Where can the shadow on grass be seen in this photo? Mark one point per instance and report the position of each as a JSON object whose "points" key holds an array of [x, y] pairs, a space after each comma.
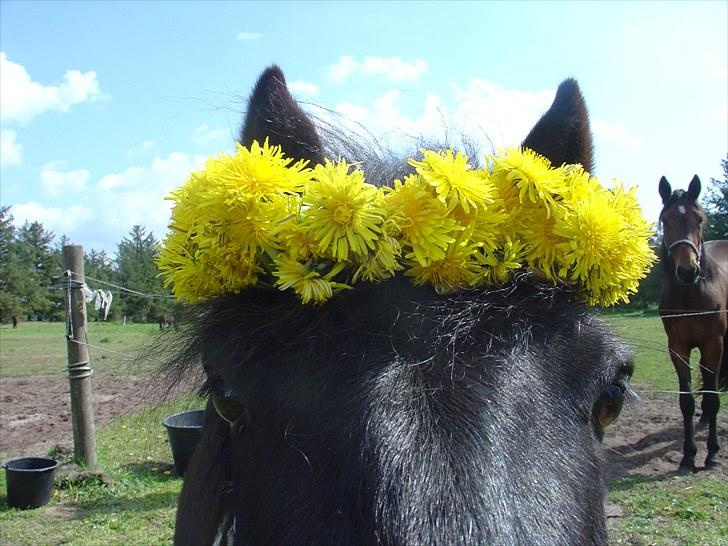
{"points": [[629, 456], [156, 470], [628, 483], [129, 503]]}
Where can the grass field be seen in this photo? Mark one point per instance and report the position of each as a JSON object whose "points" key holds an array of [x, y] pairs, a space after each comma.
{"points": [[135, 504], [138, 505], [645, 335], [40, 348]]}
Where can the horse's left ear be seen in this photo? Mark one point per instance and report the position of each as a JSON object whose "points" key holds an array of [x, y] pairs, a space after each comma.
{"points": [[563, 134], [694, 188], [274, 114]]}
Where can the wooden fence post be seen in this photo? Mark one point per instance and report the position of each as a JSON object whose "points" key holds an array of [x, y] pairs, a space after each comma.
{"points": [[79, 365]]}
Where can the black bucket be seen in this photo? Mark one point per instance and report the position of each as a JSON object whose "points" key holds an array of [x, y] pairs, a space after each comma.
{"points": [[184, 430], [30, 481]]}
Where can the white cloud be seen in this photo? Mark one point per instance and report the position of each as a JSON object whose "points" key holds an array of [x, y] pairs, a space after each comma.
{"points": [[248, 36], [304, 88], [617, 132], [56, 182], [165, 173], [11, 151], [391, 68], [352, 112], [21, 99], [56, 219], [204, 134], [342, 69], [137, 195], [141, 149], [502, 116], [105, 212], [493, 115], [394, 68]]}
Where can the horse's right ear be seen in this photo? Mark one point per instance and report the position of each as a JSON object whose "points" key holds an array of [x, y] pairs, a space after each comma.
{"points": [[665, 190], [275, 115], [694, 188]]}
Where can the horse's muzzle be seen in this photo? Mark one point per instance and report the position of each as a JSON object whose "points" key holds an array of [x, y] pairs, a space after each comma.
{"points": [[688, 275]]}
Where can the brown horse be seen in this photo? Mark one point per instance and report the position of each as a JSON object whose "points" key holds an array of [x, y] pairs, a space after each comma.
{"points": [[693, 305]]}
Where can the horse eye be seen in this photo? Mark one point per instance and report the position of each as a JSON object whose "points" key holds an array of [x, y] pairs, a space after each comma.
{"points": [[228, 405], [609, 405]]}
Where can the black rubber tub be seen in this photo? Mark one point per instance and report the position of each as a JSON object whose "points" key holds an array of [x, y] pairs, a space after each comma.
{"points": [[29, 481], [184, 430]]}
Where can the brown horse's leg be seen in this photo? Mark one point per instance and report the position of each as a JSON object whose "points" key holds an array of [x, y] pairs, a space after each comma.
{"points": [[710, 359], [681, 361]]}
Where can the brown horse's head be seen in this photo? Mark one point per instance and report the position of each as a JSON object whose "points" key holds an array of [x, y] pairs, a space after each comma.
{"points": [[682, 221]]}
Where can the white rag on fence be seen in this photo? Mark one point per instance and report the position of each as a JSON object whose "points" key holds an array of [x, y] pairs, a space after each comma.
{"points": [[101, 298]]}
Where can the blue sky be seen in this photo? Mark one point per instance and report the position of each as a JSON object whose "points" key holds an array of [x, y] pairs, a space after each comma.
{"points": [[108, 106]]}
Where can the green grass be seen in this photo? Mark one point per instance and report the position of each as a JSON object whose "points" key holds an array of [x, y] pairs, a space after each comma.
{"points": [[137, 506], [40, 348], [685, 510], [664, 510], [645, 335]]}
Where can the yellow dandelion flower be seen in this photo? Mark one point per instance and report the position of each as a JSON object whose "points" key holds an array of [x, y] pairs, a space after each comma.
{"points": [[422, 220], [593, 236], [498, 265], [529, 175], [250, 227], [579, 184], [485, 225], [257, 217], [543, 251], [454, 180], [258, 171], [458, 269], [290, 233], [223, 218], [308, 284], [340, 211], [380, 264]]}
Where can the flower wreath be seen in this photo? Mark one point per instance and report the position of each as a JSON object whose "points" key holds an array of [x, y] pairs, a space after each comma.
{"points": [[259, 218]]}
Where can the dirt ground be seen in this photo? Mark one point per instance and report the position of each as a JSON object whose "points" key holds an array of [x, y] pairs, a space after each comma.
{"points": [[35, 411], [35, 416]]}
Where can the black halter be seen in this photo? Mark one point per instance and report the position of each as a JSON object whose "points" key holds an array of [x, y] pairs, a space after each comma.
{"points": [[698, 249]]}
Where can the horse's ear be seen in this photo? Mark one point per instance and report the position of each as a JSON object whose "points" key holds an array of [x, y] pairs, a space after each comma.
{"points": [[563, 134], [275, 115], [665, 190], [694, 188]]}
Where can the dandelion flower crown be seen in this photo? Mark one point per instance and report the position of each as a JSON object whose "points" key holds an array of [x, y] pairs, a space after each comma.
{"points": [[259, 218]]}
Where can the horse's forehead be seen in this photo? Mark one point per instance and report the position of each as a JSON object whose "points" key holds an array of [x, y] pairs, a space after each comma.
{"points": [[680, 205]]}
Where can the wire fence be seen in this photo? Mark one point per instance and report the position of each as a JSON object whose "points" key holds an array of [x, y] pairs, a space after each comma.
{"points": [[633, 342]]}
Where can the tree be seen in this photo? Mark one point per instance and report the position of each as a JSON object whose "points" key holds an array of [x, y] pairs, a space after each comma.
{"points": [[716, 206], [135, 262], [39, 267], [98, 265], [10, 273]]}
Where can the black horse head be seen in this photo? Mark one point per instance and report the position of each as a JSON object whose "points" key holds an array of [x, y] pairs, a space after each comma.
{"points": [[395, 415]]}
